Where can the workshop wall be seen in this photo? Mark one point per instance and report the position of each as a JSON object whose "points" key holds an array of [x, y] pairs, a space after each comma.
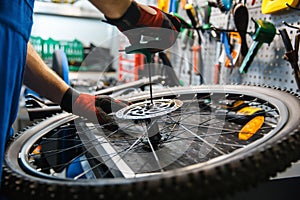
{"points": [[268, 66]]}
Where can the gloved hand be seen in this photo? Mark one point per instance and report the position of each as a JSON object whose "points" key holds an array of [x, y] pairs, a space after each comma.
{"points": [[94, 108], [140, 20]]}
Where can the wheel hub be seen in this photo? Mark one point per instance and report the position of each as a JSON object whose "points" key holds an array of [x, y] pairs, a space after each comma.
{"points": [[149, 110]]}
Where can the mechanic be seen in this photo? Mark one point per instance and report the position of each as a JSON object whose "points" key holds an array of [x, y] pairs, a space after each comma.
{"points": [[16, 53]]}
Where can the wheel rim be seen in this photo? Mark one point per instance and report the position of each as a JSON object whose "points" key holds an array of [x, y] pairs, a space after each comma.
{"points": [[203, 139]]}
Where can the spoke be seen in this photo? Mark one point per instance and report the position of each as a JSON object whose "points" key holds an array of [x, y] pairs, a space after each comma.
{"points": [[155, 155], [212, 127], [195, 125], [116, 157], [115, 161], [70, 162], [203, 140], [110, 156], [60, 151], [231, 144]]}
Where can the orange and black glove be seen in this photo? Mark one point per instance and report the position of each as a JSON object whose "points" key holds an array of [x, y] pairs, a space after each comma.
{"points": [[94, 108], [148, 21]]}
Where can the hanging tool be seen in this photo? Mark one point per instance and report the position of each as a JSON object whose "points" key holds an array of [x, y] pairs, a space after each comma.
{"points": [[187, 39], [241, 18], [235, 50], [205, 12], [225, 41], [163, 5], [184, 24], [264, 33], [173, 7], [182, 3], [292, 7], [197, 61], [224, 5], [196, 48], [193, 16], [218, 63], [291, 54], [271, 6]]}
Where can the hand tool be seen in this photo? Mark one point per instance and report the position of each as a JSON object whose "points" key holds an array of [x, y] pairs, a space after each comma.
{"points": [[187, 39], [205, 12], [218, 63], [224, 5], [291, 54], [241, 17], [264, 33], [173, 7], [271, 6], [193, 16], [184, 24], [196, 48], [148, 53], [163, 5], [224, 40], [183, 3], [197, 61], [235, 50], [292, 7]]}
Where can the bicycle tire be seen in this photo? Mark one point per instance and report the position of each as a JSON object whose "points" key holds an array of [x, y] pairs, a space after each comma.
{"points": [[239, 170]]}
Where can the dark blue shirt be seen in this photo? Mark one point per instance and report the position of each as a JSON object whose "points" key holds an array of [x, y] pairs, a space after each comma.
{"points": [[15, 29]]}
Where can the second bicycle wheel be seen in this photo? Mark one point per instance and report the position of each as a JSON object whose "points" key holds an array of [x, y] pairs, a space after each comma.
{"points": [[186, 143]]}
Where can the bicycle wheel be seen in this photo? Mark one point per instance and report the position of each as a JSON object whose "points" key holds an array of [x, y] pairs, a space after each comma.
{"points": [[185, 144]]}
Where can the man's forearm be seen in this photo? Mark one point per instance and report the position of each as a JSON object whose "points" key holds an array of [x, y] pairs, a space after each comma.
{"points": [[112, 8], [39, 77]]}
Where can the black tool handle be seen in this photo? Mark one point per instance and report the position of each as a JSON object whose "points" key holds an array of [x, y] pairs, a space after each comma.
{"points": [[194, 22], [192, 17], [286, 40], [241, 17], [297, 40], [291, 55]]}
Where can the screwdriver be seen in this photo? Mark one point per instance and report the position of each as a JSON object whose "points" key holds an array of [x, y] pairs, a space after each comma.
{"points": [[193, 16]]}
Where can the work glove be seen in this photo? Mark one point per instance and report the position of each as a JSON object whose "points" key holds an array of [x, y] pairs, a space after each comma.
{"points": [[141, 21], [94, 108]]}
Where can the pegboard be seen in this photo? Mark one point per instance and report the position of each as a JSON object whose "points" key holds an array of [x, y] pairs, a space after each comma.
{"points": [[268, 66]]}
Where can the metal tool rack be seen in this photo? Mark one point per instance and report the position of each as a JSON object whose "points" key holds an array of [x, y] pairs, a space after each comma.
{"points": [[269, 66]]}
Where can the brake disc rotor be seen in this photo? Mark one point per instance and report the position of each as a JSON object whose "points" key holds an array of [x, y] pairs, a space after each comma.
{"points": [[148, 110]]}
